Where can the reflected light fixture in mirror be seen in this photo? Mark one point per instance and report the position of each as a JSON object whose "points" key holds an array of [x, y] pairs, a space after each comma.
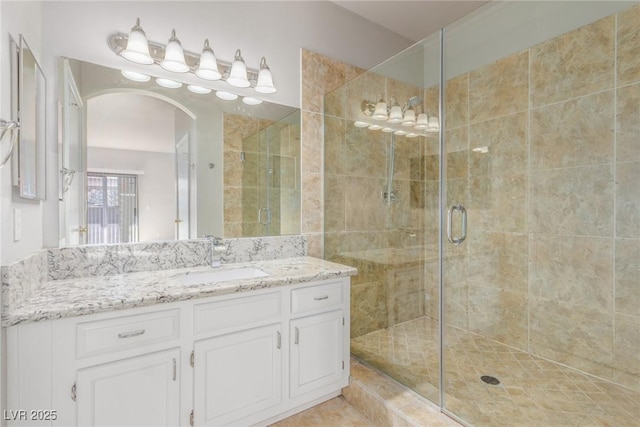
{"points": [[136, 48], [199, 89], [227, 96], [170, 84], [136, 77], [251, 101]]}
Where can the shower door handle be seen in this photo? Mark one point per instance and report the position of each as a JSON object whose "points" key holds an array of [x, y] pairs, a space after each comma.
{"points": [[463, 211], [268, 217]]}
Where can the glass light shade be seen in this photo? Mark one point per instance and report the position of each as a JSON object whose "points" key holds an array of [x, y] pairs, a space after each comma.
{"points": [[137, 49], [434, 123], [360, 124], [238, 74], [422, 122], [375, 127], [409, 118], [265, 78], [412, 135], [174, 56], [395, 115], [227, 96], [136, 77], [400, 133], [171, 84], [208, 67], [251, 101], [380, 113], [199, 89], [387, 130]]}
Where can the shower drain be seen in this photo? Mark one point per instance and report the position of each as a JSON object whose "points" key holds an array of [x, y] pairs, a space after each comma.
{"points": [[490, 380]]}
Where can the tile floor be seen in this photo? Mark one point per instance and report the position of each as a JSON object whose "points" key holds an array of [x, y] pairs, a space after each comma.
{"points": [[336, 412], [532, 391]]}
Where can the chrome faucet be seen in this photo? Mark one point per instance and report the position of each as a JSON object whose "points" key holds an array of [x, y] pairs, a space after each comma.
{"points": [[217, 246]]}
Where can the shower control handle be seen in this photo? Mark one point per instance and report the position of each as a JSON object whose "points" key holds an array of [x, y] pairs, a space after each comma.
{"points": [[456, 240]]}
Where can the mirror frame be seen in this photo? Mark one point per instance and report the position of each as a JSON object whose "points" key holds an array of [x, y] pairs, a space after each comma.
{"points": [[37, 160]]}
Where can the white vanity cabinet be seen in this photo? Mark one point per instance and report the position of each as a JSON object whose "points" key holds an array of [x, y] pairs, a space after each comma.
{"points": [[139, 391], [248, 358]]}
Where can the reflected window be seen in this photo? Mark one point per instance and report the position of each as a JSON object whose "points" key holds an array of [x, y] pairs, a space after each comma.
{"points": [[112, 208]]}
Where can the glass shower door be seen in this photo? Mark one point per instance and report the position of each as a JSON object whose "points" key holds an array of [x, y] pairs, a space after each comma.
{"points": [[535, 298]]}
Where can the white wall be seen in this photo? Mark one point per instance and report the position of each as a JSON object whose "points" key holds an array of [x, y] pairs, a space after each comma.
{"points": [[18, 18], [156, 186]]}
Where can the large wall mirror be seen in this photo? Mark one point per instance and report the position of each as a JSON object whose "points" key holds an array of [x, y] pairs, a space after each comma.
{"points": [[143, 162], [29, 91]]}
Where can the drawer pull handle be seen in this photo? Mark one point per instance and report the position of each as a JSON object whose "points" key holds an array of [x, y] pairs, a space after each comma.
{"points": [[321, 298], [131, 334], [175, 369], [279, 341], [296, 339]]}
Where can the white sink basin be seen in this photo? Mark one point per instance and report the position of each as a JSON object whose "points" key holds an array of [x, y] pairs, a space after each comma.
{"points": [[214, 276]]}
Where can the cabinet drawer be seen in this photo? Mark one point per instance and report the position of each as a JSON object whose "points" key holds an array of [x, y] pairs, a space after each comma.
{"points": [[109, 335], [316, 297], [236, 312]]}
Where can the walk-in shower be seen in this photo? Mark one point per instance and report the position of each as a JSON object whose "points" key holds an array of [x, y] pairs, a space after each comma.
{"points": [[503, 283]]}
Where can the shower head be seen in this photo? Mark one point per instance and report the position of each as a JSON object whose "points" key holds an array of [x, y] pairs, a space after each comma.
{"points": [[414, 100]]}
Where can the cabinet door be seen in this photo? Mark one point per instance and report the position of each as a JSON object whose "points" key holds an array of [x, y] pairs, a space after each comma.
{"points": [[316, 352], [140, 391], [237, 375]]}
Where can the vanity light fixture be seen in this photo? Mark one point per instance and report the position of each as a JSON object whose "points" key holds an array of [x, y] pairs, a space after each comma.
{"points": [[137, 48], [265, 78], [136, 77], [174, 56], [171, 84], [238, 74], [251, 101], [208, 67], [397, 115], [227, 96], [199, 89]]}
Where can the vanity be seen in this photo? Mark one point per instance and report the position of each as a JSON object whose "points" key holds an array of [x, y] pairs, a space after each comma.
{"points": [[262, 337]]}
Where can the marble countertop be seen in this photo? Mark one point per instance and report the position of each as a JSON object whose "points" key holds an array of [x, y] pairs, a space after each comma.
{"points": [[80, 296]]}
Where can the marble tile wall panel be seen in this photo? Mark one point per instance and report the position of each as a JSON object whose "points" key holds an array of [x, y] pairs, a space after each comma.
{"points": [[334, 145], [573, 133], [576, 201], [578, 336], [627, 276], [368, 308], [499, 260], [573, 269], [499, 314], [628, 200], [628, 123], [506, 145], [628, 62], [576, 63], [22, 278], [626, 351], [499, 89], [456, 103], [334, 203]]}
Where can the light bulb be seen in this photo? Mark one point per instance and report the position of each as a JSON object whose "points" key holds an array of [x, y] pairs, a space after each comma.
{"points": [[208, 66], [136, 77], [360, 124], [375, 127], [174, 56], [171, 84], [265, 78], [137, 49], [227, 96], [238, 74], [387, 130], [199, 89], [251, 101]]}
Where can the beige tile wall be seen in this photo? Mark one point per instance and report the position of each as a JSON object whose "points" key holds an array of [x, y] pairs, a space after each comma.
{"points": [[552, 260]]}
